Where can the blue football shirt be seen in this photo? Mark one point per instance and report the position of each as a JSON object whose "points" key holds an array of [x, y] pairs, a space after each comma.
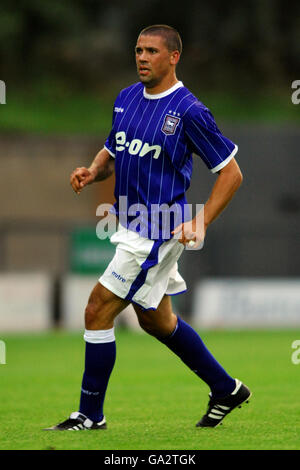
{"points": [[152, 140]]}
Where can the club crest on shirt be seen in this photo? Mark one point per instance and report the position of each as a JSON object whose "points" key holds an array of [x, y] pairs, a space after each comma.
{"points": [[170, 124]]}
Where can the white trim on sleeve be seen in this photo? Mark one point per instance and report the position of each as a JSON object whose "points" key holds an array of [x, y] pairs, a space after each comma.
{"points": [[110, 152], [226, 161]]}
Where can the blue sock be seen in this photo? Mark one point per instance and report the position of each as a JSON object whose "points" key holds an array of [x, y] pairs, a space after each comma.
{"points": [[188, 345], [100, 355]]}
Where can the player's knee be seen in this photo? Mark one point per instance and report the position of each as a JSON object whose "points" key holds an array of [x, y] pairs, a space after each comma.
{"points": [[147, 325], [95, 313], [151, 330], [96, 308], [101, 310], [91, 315], [154, 328]]}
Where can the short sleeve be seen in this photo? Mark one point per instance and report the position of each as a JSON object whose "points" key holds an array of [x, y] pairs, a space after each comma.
{"points": [[206, 140], [110, 143]]}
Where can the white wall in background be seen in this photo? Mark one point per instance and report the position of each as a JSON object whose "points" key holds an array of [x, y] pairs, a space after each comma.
{"points": [[247, 303], [25, 302]]}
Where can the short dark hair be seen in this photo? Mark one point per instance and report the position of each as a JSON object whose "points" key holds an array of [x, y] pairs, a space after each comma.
{"points": [[170, 35]]}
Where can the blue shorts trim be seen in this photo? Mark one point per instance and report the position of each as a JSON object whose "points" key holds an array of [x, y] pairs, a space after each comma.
{"points": [[151, 260], [177, 293]]}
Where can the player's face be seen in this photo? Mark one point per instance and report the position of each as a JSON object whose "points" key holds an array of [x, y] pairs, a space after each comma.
{"points": [[154, 61]]}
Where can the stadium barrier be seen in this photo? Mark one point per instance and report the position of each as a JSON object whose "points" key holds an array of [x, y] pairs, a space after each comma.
{"points": [[25, 302], [32, 302], [247, 303], [38, 301]]}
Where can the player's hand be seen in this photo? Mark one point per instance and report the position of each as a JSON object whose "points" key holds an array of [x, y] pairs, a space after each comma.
{"points": [[190, 234], [80, 177]]}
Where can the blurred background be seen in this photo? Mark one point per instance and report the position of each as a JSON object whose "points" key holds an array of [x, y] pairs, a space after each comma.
{"points": [[63, 63]]}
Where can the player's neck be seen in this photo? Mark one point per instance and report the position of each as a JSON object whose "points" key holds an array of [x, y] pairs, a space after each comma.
{"points": [[164, 85]]}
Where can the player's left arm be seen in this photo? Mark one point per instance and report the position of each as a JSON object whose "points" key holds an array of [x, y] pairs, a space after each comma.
{"points": [[228, 181]]}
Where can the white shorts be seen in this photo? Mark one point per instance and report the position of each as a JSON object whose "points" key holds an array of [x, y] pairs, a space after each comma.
{"points": [[142, 270]]}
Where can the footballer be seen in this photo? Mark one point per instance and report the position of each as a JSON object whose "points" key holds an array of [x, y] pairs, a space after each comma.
{"points": [[157, 127]]}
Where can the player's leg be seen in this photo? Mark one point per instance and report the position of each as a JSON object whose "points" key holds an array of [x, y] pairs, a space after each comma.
{"points": [[183, 340], [102, 308], [159, 323], [100, 353], [100, 349], [226, 393]]}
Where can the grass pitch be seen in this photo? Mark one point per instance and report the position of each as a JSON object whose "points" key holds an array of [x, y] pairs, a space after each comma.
{"points": [[48, 109], [153, 400]]}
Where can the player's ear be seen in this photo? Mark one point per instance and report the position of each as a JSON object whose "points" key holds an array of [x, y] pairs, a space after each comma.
{"points": [[174, 57]]}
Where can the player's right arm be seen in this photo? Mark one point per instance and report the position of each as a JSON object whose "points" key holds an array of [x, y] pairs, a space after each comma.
{"points": [[101, 168]]}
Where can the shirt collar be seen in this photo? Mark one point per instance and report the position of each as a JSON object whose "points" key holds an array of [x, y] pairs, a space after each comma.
{"points": [[164, 93]]}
